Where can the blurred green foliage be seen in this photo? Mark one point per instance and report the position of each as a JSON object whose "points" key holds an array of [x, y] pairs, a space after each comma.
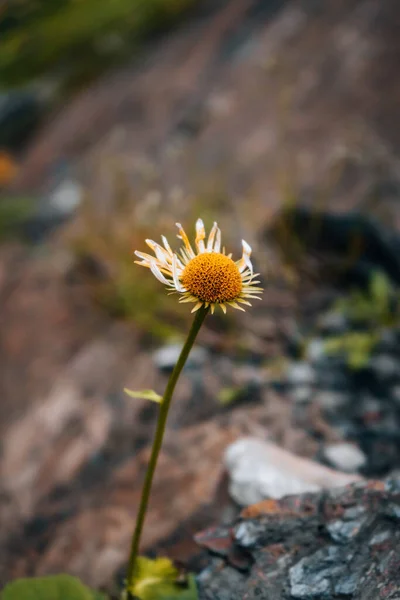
{"points": [[14, 212], [369, 313], [76, 39]]}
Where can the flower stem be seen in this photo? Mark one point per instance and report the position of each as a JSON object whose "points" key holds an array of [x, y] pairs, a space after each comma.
{"points": [[200, 315]]}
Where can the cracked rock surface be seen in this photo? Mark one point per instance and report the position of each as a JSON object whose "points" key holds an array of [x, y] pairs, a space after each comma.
{"points": [[335, 545]]}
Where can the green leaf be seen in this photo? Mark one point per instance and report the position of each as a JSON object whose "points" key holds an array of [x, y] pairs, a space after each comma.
{"points": [[380, 291], [146, 394], [159, 580], [54, 587]]}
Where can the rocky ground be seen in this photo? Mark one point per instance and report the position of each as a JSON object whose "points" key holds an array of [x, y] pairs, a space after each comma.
{"points": [[278, 99]]}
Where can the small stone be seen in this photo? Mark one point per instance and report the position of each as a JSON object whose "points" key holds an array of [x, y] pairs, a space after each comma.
{"points": [[302, 394], [393, 511], [332, 401], [332, 322], [344, 531], [347, 584], [247, 533], [165, 358], [379, 538], [345, 457], [66, 197], [395, 391], [316, 350], [385, 366], [301, 373]]}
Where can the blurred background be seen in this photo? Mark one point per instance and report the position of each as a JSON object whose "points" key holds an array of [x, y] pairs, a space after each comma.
{"points": [[276, 118]]}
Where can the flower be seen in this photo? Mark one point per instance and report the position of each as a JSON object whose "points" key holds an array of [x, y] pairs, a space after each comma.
{"points": [[209, 277]]}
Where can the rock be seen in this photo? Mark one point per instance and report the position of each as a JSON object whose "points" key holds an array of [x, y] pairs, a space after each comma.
{"points": [[98, 510], [346, 457], [316, 350], [66, 197], [166, 357], [332, 323], [283, 554], [19, 117], [302, 394], [261, 470], [300, 373], [332, 402], [323, 573], [386, 367]]}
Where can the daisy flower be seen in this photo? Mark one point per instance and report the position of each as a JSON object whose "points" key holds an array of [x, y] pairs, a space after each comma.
{"points": [[208, 277]]}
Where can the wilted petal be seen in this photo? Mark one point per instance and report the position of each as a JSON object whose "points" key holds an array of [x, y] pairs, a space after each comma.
{"points": [[200, 235]]}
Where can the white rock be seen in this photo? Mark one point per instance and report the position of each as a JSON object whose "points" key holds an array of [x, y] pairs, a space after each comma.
{"points": [[344, 456], [301, 373], [167, 356], [66, 197], [316, 350], [302, 394], [260, 470]]}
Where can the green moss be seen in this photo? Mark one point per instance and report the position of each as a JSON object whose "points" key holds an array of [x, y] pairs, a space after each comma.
{"points": [[13, 214], [75, 38]]}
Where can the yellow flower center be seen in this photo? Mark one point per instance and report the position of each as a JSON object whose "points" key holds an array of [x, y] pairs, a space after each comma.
{"points": [[212, 277]]}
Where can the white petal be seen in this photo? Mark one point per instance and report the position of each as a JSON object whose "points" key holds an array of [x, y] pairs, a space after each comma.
{"points": [[200, 235], [166, 245], [245, 261], [217, 245], [157, 273], [160, 252], [223, 308], [211, 237], [182, 235], [177, 283]]}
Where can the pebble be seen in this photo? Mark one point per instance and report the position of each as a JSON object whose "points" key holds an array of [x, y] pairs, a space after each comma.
{"points": [[316, 350], [332, 401], [385, 366], [332, 322], [165, 358], [66, 197], [345, 457], [344, 531], [302, 394], [301, 373]]}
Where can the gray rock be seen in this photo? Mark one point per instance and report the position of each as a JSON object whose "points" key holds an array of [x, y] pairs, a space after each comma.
{"points": [[331, 401], [19, 116], [66, 197], [385, 366], [165, 358], [345, 457], [395, 393], [316, 350], [322, 573], [333, 322], [302, 394], [301, 373], [344, 531]]}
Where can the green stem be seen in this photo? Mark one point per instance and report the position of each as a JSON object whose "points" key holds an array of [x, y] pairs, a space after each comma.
{"points": [[200, 315]]}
